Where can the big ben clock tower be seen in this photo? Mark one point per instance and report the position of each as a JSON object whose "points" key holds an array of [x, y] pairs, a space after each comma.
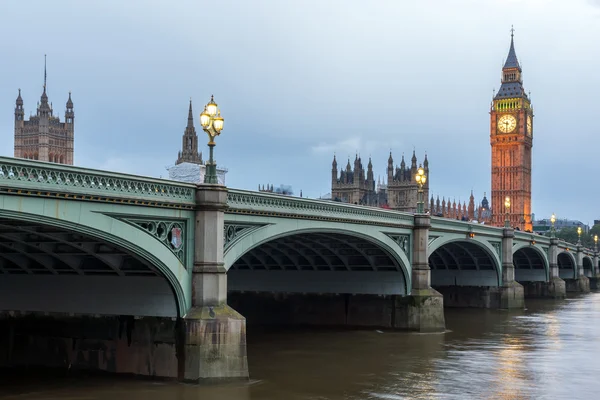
{"points": [[511, 138]]}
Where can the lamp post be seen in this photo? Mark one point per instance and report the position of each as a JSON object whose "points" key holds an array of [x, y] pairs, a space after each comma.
{"points": [[212, 124], [552, 230], [507, 208], [421, 178], [579, 235], [596, 243]]}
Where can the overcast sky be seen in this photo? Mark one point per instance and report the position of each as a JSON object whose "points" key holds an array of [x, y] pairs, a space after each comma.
{"points": [[299, 80]]}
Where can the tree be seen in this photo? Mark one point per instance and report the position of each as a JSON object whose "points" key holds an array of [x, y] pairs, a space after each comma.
{"points": [[569, 235]]}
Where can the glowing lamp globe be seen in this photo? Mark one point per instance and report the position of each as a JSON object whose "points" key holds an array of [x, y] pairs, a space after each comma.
{"points": [[211, 107], [218, 122], [204, 118]]}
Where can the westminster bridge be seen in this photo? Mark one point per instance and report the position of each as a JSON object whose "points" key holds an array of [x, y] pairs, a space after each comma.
{"points": [[129, 274]]}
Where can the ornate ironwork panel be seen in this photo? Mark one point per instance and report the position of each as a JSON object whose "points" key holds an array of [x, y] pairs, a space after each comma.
{"points": [[234, 232], [431, 239], [403, 241], [172, 234], [498, 247]]}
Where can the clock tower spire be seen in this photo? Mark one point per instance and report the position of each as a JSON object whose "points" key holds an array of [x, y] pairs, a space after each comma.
{"points": [[511, 139]]}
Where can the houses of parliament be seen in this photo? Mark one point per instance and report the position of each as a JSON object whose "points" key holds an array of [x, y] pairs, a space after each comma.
{"points": [[511, 140], [357, 186]]}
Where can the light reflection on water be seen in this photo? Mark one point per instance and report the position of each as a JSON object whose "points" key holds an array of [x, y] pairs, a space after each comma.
{"points": [[549, 351]]}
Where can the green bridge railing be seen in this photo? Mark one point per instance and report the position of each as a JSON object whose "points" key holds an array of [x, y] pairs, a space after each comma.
{"points": [[38, 177]]}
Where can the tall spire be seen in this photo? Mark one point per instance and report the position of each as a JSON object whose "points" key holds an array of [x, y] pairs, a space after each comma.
{"points": [[190, 123], [44, 107], [511, 59], [45, 75], [512, 83]]}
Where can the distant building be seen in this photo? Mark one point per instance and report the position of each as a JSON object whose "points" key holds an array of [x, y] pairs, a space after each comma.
{"points": [[356, 185], [544, 225], [43, 137], [189, 166], [282, 189]]}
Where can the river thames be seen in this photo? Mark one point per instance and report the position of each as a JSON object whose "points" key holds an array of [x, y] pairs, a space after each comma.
{"points": [[551, 350]]}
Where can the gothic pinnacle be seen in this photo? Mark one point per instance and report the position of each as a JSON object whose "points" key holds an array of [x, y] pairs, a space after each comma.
{"points": [[190, 123]]}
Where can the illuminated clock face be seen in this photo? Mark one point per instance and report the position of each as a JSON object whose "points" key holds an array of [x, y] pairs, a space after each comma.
{"points": [[529, 126], [507, 123]]}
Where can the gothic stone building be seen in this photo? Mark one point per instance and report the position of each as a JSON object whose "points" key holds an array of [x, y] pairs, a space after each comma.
{"points": [[357, 186], [43, 137]]}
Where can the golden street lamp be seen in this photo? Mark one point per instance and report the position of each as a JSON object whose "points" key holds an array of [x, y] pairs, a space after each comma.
{"points": [[552, 230], [579, 235], [212, 124], [507, 208], [596, 243], [421, 178]]}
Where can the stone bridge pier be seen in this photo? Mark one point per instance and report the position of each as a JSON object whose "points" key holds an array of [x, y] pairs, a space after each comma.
{"points": [[595, 277], [578, 283], [512, 294], [214, 335], [423, 310], [555, 287]]}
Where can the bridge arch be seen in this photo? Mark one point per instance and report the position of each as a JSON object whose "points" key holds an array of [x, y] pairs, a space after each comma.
{"points": [[531, 263], [567, 265], [304, 257], [456, 261], [122, 271], [588, 266]]}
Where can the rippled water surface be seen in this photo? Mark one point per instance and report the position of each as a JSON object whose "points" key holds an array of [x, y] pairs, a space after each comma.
{"points": [[549, 351]]}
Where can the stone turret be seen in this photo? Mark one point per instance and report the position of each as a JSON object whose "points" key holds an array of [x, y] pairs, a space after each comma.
{"points": [[19, 112], [471, 211], [370, 176], [334, 171], [390, 168]]}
